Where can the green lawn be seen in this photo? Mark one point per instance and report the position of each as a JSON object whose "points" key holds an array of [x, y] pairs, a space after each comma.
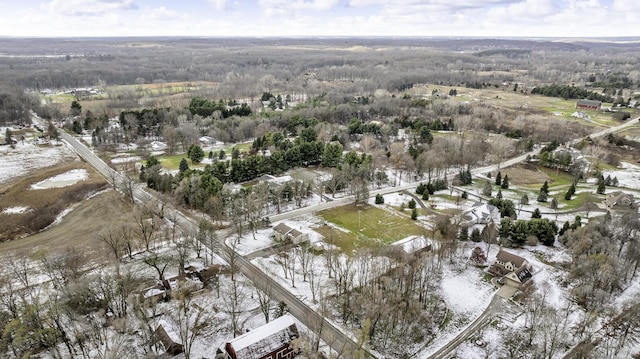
{"points": [[242, 147], [368, 226], [173, 162]]}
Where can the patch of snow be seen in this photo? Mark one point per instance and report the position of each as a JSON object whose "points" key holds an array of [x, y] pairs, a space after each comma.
{"points": [[62, 180], [126, 159], [628, 176], [464, 291], [15, 210], [59, 218], [28, 157]]}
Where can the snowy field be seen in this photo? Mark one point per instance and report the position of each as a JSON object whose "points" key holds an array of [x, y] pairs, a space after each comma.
{"points": [[628, 175], [62, 180], [28, 157]]}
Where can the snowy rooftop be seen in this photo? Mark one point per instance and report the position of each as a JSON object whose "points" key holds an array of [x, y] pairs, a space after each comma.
{"points": [[413, 244], [265, 339]]}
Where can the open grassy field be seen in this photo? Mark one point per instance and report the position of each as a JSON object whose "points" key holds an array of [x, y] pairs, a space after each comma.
{"points": [[78, 229], [366, 226], [168, 93], [43, 205]]}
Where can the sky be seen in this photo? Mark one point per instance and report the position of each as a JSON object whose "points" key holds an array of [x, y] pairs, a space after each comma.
{"points": [[299, 18]]}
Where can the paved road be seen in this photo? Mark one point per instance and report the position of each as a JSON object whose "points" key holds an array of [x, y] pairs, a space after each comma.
{"points": [[482, 320], [329, 333]]}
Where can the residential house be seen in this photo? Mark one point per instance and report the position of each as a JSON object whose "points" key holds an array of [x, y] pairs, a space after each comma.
{"points": [[158, 146], [413, 245], [513, 270], [283, 232], [481, 213], [169, 338], [274, 340], [207, 140], [589, 104], [620, 201]]}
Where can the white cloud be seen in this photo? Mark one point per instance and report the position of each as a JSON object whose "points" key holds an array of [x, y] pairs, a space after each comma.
{"points": [[218, 4], [160, 13], [286, 8], [88, 7]]}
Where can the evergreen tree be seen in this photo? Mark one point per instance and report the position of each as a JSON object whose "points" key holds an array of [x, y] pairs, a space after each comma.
{"points": [[425, 196], [222, 155], [545, 189], [499, 195], [505, 229], [567, 196], [76, 108], [499, 179], [536, 213], [475, 235], [542, 197], [195, 153], [463, 234], [601, 187], [412, 204], [414, 214], [379, 199], [505, 182], [183, 165]]}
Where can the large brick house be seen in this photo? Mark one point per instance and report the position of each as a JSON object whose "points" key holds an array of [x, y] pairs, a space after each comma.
{"points": [[274, 340]]}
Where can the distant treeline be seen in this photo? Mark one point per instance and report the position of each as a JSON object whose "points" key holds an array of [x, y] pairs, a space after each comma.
{"points": [[570, 92], [205, 108]]}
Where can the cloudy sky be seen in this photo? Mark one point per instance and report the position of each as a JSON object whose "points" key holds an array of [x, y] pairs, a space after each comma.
{"points": [[505, 18]]}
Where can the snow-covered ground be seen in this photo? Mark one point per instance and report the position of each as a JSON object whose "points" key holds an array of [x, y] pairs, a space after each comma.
{"points": [[628, 175], [27, 157], [62, 180], [15, 210]]}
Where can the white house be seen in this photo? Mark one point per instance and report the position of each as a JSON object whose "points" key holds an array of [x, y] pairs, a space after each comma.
{"points": [[481, 213], [283, 232]]}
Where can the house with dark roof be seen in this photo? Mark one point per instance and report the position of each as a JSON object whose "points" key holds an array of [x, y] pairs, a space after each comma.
{"points": [[513, 270], [589, 104], [274, 340], [282, 233], [620, 201]]}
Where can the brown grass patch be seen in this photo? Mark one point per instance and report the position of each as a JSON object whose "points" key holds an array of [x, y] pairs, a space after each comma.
{"points": [[44, 204], [525, 174], [78, 229]]}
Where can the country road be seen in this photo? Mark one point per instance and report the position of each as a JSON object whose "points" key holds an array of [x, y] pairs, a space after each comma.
{"points": [[329, 333]]}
